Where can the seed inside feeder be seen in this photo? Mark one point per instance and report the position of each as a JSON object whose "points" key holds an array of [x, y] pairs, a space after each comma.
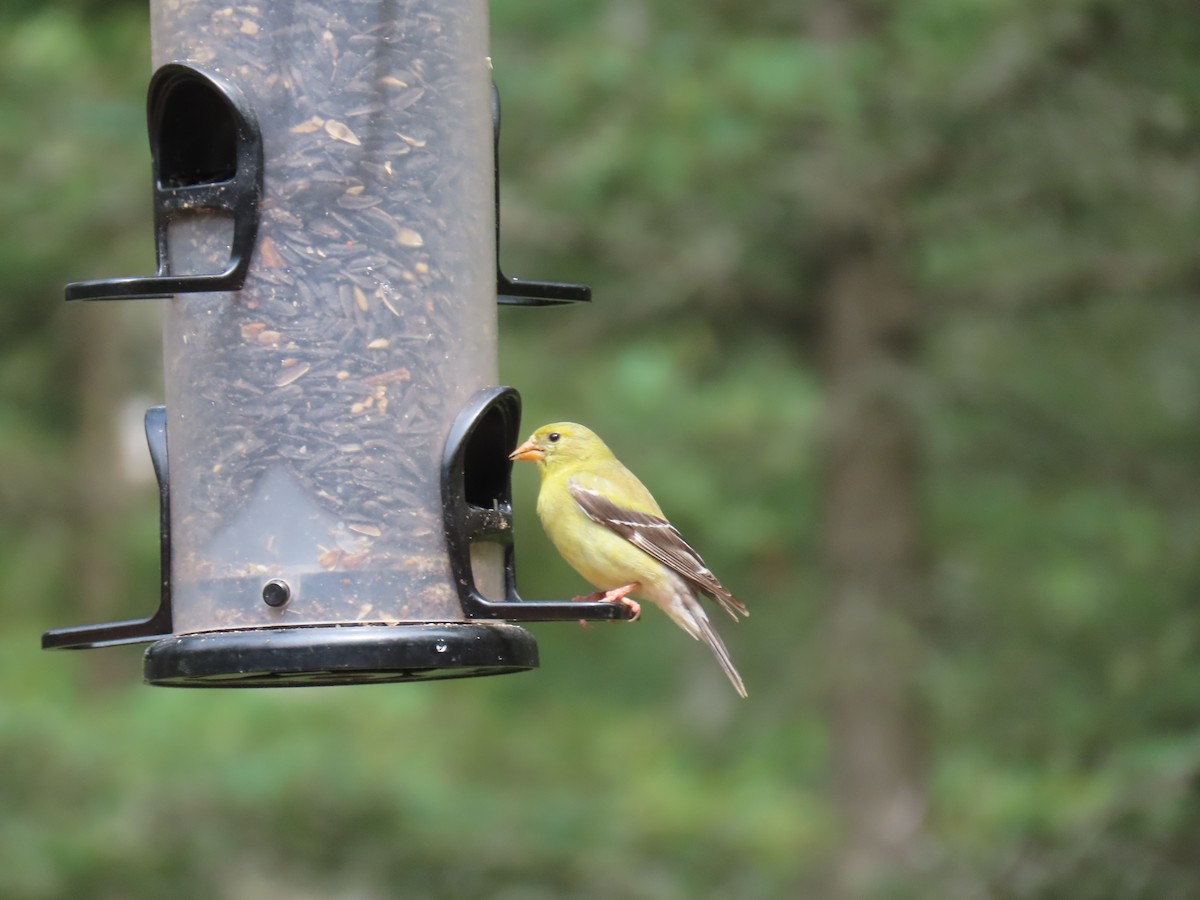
{"points": [[308, 411]]}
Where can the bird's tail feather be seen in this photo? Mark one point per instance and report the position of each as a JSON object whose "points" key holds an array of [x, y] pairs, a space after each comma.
{"points": [[710, 636]]}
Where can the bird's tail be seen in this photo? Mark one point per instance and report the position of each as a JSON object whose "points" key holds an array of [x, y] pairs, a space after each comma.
{"points": [[718, 648], [702, 629]]}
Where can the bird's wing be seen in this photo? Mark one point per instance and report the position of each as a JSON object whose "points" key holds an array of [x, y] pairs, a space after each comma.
{"points": [[653, 535]]}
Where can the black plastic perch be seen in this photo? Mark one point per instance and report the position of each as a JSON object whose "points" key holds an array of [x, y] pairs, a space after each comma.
{"points": [[335, 496], [517, 291], [207, 163], [158, 625]]}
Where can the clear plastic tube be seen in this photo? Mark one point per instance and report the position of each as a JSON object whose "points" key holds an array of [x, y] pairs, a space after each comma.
{"points": [[308, 411]]}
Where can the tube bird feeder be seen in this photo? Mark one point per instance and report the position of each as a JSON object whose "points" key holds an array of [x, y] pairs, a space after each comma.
{"points": [[332, 453]]}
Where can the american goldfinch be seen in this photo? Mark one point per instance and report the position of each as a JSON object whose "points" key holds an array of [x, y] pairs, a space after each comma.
{"points": [[607, 526]]}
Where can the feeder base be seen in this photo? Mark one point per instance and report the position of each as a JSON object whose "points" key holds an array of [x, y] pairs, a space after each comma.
{"points": [[339, 654]]}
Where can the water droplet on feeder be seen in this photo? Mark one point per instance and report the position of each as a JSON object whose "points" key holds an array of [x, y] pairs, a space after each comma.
{"points": [[440, 646]]}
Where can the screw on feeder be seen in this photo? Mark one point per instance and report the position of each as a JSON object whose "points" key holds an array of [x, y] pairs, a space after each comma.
{"points": [[276, 592]]}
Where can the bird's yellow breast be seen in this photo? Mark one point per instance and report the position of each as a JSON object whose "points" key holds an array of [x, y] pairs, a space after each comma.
{"points": [[601, 556]]}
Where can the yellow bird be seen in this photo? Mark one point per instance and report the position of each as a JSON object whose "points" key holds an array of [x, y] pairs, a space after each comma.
{"points": [[609, 528]]}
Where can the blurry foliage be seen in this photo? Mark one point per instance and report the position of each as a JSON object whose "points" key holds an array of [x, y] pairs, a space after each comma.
{"points": [[75, 204], [702, 166]]}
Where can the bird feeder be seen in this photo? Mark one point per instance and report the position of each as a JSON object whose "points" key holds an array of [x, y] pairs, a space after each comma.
{"points": [[332, 453]]}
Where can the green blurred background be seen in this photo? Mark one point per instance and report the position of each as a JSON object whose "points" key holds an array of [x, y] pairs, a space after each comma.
{"points": [[895, 311]]}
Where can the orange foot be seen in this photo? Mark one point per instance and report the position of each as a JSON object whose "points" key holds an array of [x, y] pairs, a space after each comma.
{"points": [[616, 595]]}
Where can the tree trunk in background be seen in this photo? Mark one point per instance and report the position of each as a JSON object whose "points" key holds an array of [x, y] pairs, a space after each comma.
{"points": [[99, 501], [873, 559]]}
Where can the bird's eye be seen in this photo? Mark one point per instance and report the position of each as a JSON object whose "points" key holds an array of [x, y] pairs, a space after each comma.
{"points": [[553, 437]]}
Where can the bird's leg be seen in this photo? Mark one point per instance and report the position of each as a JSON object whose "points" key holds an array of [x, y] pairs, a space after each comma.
{"points": [[589, 598], [616, 595]]}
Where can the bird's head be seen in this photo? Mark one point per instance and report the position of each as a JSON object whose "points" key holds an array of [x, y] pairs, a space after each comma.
{"points": [[561, 442]]}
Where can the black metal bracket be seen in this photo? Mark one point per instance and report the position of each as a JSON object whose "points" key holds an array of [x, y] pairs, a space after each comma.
{"points": [[207, 155], [477, 506], [160, 624], [517, 291]]}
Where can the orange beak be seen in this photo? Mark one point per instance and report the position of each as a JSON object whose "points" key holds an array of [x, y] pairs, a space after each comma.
{"points": [[528, 450]]}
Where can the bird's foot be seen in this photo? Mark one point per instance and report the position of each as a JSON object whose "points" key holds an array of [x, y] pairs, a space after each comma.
{"points": [[616, 595], [619, 595]]}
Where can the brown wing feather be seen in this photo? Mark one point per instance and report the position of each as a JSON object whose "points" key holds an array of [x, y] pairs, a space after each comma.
{"points": [[659, 539]]}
